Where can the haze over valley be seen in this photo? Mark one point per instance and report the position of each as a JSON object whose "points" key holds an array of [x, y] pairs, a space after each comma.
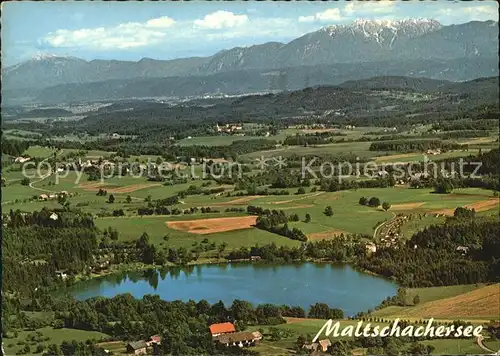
{"points": [[329, 56]]}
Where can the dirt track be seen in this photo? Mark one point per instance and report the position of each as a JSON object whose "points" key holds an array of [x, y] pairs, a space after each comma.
{"points": [[93, 187], [291, 320], [301, 198], [210, 226], [132, 188], [297, 206], [398, 156], [407, 206], [239, 201]]}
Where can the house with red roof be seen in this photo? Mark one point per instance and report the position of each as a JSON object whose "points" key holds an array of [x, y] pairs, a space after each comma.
{"points": [[221, 329], [154, 340]]}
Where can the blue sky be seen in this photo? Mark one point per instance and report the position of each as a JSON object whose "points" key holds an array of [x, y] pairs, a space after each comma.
{"points": [[166, 30]]}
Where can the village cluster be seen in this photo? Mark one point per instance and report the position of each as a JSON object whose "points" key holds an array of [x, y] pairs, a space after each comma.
{"points": [[222, 333]]}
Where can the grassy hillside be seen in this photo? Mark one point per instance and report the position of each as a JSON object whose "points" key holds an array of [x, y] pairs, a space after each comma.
{"points": [[469, 302], [46, 336]]}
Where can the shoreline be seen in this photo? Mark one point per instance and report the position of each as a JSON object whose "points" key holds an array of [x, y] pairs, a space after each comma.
{"points": [[134, 267], [137, 268]]}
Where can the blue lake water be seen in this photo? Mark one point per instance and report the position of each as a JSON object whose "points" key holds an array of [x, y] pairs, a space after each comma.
{"points": [[340, 286]]}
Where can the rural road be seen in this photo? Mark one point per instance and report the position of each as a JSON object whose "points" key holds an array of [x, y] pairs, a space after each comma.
{"points": [[45, 175], [480, 343], [39, 180], [288, 351], [379, 226]]}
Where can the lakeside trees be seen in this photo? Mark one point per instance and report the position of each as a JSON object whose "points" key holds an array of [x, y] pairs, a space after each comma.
{"points": [[323, 311]]}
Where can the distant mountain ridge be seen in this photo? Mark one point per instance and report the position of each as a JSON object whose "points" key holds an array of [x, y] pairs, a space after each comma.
{"points": [[253, 81], [414, 47]]}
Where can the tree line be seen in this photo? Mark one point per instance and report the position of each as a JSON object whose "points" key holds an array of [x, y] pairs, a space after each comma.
{"points": [[414, 145], [276, 222]]}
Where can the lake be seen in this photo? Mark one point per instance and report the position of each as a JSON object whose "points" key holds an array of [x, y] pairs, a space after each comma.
{"points": [[340, 286]]}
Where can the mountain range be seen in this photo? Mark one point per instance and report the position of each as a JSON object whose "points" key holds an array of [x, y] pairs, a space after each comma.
{"points": [[334, 54]]}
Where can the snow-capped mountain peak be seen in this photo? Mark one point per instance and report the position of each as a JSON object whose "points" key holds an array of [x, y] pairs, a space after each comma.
{"points": [[383, 32], [44, 56], [412, 27]]}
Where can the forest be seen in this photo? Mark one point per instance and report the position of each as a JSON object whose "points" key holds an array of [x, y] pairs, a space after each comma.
{"points": [[14, 147], [317, 138]]}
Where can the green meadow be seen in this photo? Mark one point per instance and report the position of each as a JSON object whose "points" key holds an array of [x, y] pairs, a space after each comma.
{"points": [[360, 149], [49, 335], [420, 157], [131, 228], [39, 151]]}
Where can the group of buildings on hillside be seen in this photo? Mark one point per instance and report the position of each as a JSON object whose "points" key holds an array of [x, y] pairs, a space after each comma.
{"points": [[226, 334], [223, 333], [229, 128], [142, 347]]}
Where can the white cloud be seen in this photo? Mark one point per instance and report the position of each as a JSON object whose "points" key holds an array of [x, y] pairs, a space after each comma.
{"points": [[221, 19], [457, 14], [356, 8], [351, 11], [160, 22], [325, 16], [122, 36], [258, 28], [164, 30]]}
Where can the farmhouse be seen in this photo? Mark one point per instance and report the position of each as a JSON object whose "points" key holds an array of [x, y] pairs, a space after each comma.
{"points": [[43, 197], [101, 263], [321, 345], [136, 348], [371, 247], [154, 340], [240, 339], [53, 216], [434, 152], [221, 329], [62, 274]]}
